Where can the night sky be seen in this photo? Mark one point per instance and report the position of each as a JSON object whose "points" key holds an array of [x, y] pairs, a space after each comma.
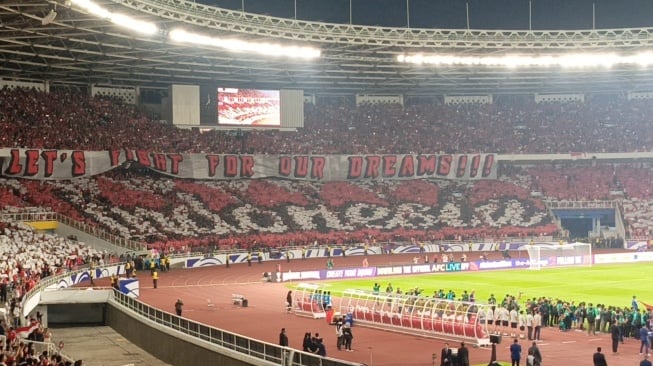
{"points": [[483, 14]]}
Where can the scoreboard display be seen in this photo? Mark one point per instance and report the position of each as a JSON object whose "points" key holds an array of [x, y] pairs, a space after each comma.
{"points": [[249, 107]]}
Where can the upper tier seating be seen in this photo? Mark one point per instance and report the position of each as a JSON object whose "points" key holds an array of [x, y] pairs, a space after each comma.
{"points": [[72, 121]]}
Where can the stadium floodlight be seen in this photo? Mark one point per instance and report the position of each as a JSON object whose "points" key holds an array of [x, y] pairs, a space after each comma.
{"points": [[120, 20], [570, 60], [136, 25], [92, 8], [235, 45]]}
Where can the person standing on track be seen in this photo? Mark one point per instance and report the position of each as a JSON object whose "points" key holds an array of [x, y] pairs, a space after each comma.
{"points": [[283, 342], [155, 277], [445, 355], [289, 302], [463, 355], [537, 355], [599, 358], [178, 307], [348, 336], [645, 344], [515, 352], [529, 325], [283, 338], [514, 321], [614, 334], [537, 325]]}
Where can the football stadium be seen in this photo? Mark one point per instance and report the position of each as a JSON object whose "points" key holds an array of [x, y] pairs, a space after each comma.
{"points": [[326, 183]]}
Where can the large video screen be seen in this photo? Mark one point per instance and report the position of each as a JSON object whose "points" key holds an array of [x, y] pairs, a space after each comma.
{"points": [[249, 107]]}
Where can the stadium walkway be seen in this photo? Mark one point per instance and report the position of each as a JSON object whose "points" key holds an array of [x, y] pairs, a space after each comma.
{"points": [[102, 346]]}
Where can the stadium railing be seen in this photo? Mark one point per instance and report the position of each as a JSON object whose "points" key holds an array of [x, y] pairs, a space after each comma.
{"points": [[92, 230]]}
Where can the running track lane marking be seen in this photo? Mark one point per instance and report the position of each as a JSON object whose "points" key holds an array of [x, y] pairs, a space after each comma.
{"points": [[567, 342], [211, 285]]}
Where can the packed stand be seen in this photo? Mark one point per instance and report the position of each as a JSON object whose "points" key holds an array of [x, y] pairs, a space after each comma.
{"points": [[187, 215], [182, 214], [69, 120], [28, 257]]}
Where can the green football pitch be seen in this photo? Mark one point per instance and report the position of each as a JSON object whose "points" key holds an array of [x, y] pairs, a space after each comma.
{"points": [[607, 284]]}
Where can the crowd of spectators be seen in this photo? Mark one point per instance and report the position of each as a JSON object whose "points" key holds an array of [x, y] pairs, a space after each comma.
{"points": [[27, 257], [69, 120], [228, 214], [181, 214]]}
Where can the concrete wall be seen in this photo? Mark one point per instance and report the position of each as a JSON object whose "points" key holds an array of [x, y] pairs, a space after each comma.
{"points": [[170, 346], [76, 314]]}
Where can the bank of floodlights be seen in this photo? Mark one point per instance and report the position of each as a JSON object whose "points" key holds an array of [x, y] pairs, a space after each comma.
{"points": [[182, 36], [570, 60], [235, 45], [121, 20]]}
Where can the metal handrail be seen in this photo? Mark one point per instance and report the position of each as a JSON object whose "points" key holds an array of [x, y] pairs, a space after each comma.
{"points": [[97, 232]]}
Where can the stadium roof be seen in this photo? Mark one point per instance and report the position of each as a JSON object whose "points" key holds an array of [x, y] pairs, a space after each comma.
{"points": [[78, 48]]}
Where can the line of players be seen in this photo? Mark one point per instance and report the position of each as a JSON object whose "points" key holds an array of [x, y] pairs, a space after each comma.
{"points": [[511, 321]]}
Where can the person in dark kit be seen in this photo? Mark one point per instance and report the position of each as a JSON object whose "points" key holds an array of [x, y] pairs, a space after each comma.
{"points": [[463, 355], [537, 355], [445, 355], [178, 307], [289, 302], [348, 336], [599, 358], [615, 333], [283, 338], [319, 347], [307, 343], [515, 352]]}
